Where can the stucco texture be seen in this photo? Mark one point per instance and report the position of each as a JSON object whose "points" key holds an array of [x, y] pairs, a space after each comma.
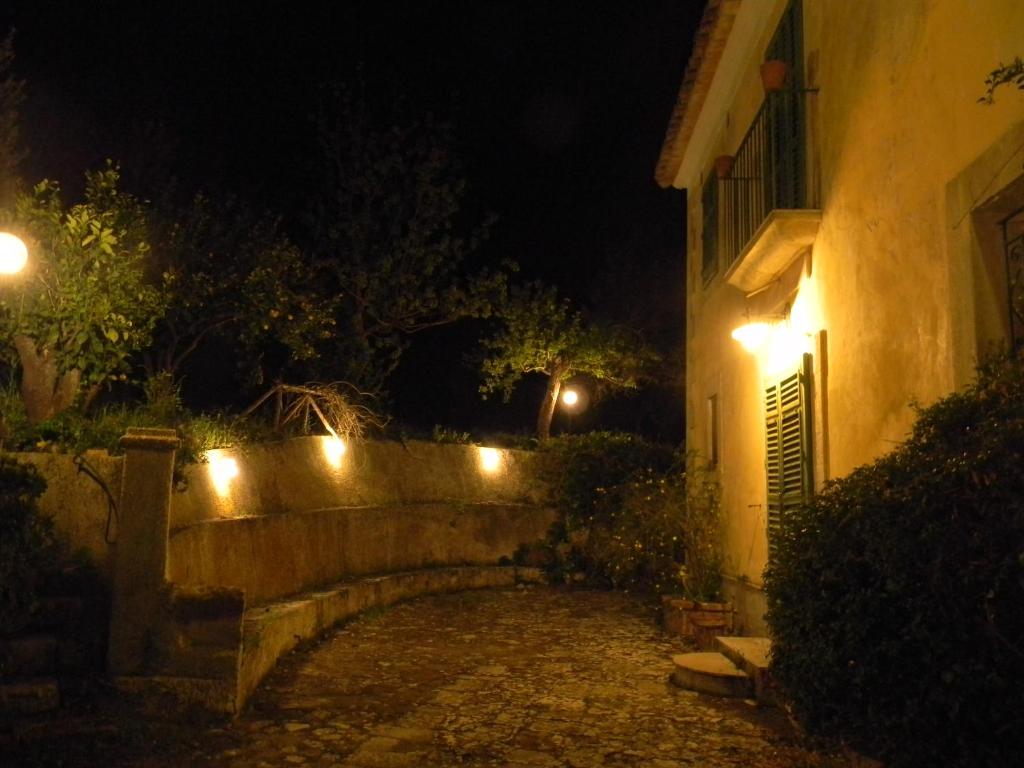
{"points": [[291, 520], [77, 503], [901, 294]]}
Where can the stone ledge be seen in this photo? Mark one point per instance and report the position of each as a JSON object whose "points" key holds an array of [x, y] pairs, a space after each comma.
{"points": [[27, 656], [271, 630], [29, 697], [781, 238], [752, 655], [712, 673]]}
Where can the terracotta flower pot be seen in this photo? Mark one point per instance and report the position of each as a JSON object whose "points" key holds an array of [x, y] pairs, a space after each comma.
{"points": [[700, 622], [773, 75], [723, 165]]}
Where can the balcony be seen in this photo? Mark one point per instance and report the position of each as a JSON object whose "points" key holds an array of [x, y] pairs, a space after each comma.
{"points": [[770, 212]]}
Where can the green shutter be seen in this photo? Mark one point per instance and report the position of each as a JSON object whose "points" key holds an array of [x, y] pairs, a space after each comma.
{"points": [[788, 457]]}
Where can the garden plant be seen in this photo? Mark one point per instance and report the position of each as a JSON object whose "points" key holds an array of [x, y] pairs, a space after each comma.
{"points": [[896, 599]]}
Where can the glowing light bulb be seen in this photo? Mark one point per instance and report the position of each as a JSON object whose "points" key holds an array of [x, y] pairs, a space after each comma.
{"points": [[13, 254], [752, 336], [334, 451], [223, 469], [570, 397], [490, 459]]}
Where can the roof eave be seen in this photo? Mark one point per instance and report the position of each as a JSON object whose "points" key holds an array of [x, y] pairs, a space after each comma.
{"points": [[708, 46]]}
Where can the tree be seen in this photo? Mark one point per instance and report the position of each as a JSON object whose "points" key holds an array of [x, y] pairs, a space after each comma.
{"points": [[385, 226], [82, 306], [539, 333], [236, 275]]}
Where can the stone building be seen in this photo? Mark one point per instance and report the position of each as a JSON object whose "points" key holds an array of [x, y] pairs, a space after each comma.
{"points": [[854, 237]]}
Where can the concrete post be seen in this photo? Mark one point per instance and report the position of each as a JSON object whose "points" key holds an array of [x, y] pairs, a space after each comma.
{"points": [[140, 553]]}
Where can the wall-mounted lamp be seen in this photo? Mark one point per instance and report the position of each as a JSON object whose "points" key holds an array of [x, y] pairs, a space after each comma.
{"points": [[752, 336], [490, 459], [775, 340], [334, 450], [223, 469]]}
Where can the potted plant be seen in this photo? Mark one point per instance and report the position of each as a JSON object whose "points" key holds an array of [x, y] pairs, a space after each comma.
{"points": [[700, 613], [723, 165], [773, 75]]}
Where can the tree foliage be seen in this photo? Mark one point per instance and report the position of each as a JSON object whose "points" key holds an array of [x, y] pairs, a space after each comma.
{"points": [[386, 227], [82, 306], [1005, 74], [539, 332], [235, 275], [26, 542]]}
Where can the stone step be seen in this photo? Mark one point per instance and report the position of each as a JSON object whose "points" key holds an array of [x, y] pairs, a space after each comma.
{"points": [[750, 654], [27, 656], [29, 697], [711, 672]]}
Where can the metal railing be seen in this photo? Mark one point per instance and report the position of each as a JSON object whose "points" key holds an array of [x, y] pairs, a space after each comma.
{"points": [[770, 170]]}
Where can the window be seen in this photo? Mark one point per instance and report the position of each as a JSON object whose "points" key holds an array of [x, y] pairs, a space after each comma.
{"points": [[786, 114], [709, 230], [788, 446], [1013, 247]]}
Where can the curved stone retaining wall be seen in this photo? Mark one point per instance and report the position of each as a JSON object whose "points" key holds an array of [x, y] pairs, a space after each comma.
{"points": [[311, 473], [272, 556]]}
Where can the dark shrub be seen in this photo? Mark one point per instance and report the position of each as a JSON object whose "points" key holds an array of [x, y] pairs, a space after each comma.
{"points": [[896, 600], [26, 542], [622, 505]]}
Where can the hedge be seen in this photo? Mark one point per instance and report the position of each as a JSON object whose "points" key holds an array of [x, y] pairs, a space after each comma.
{"points": [[896, 600]]}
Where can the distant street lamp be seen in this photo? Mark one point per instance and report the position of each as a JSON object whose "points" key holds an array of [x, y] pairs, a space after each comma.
{"points": [[13, 254], [571, 403]]}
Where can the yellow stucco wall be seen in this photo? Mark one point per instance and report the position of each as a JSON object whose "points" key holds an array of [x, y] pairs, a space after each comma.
{"points": [[903, 154]]}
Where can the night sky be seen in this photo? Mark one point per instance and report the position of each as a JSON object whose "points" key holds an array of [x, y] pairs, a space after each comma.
{"points": [[559, 109]]}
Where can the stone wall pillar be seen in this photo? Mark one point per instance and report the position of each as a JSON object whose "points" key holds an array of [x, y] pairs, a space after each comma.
{"points": [[140, 553]]}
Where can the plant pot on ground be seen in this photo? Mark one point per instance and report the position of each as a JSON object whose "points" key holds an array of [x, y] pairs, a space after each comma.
{"points": [[699, 621], [700, 614]]}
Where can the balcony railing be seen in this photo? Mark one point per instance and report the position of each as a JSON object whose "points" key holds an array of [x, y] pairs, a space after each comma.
{"points": [[769, 173]]}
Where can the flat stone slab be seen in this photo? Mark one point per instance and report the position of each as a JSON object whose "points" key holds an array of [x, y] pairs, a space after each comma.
{"points": [[27, 656], [749, 653], [710, 672], [752, 655], [29, 697]]}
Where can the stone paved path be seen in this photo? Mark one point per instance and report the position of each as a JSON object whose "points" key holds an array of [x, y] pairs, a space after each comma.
{"points": [[525, 677]]}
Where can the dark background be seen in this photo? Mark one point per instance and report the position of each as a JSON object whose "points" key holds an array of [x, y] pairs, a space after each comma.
{"points": [[559, 107]]}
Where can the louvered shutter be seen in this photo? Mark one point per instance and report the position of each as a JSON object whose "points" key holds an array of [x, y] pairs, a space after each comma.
{"points": [[788, 446]]}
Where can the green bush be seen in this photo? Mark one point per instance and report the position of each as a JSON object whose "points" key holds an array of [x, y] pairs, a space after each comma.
{"points": [[26, 542], [701, 573], [74, 432], [896, 599], [636, 538], [619, 499]]}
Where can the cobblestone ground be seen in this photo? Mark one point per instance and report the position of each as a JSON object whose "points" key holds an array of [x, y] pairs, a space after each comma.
{"points": [[520, 677]]}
